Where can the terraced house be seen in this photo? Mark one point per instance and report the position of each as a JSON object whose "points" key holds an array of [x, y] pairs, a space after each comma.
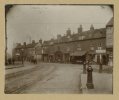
{"points": [[68, 48]]}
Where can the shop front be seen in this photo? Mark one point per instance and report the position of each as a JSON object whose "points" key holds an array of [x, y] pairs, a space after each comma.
{"points": [[78, 57], [58, 56]]}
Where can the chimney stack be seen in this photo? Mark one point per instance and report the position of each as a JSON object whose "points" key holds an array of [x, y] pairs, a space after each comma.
{"points": [[40, 41], [92, 28], [18, 44], [24, 43], [68, 32], [33, 41], [80, 29]]}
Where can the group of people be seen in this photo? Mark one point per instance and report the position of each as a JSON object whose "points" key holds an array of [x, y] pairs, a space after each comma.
{"points": [[10, 61], [34, 61]]}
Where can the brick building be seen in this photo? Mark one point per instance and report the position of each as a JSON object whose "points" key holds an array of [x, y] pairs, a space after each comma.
{"points": [[25, 51], [64, 48]]}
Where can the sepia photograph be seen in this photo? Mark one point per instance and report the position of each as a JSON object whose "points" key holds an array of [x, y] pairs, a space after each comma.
{"points": [[59, 48]]}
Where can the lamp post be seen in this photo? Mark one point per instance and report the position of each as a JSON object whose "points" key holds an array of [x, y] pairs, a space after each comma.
{"points": [[68, 51], [42, 52], [100, 63], [36, 55], [22, 52]]}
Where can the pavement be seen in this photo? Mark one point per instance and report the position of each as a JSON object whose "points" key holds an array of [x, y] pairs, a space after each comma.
{"points": [[102, 83], [105, 68]]}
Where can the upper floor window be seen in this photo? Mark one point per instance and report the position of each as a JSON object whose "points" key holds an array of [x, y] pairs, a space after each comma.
{"points": [[99, 46], [91, 46]]}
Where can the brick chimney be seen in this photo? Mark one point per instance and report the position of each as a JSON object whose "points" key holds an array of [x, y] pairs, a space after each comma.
{"points": [[80, 29], [92, 28], [24, 44], [18, 44], [40, 41], [33, 41], [68, 32]]}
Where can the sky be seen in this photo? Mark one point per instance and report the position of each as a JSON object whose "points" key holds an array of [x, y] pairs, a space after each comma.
{"points": [[35, 22]]}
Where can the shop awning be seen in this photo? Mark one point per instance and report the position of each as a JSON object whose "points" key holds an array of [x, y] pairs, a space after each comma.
{"points": [[78, 53], [91, 52]]}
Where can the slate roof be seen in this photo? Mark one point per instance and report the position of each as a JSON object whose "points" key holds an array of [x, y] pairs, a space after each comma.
{"points": [[90, 34], [26, 46], [31, 45], [97, 33]]}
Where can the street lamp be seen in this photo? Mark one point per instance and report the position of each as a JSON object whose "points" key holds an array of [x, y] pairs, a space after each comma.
{"points": [[100, 63], [36, 55], [22, 51], [42, 52], [68, 51]]}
